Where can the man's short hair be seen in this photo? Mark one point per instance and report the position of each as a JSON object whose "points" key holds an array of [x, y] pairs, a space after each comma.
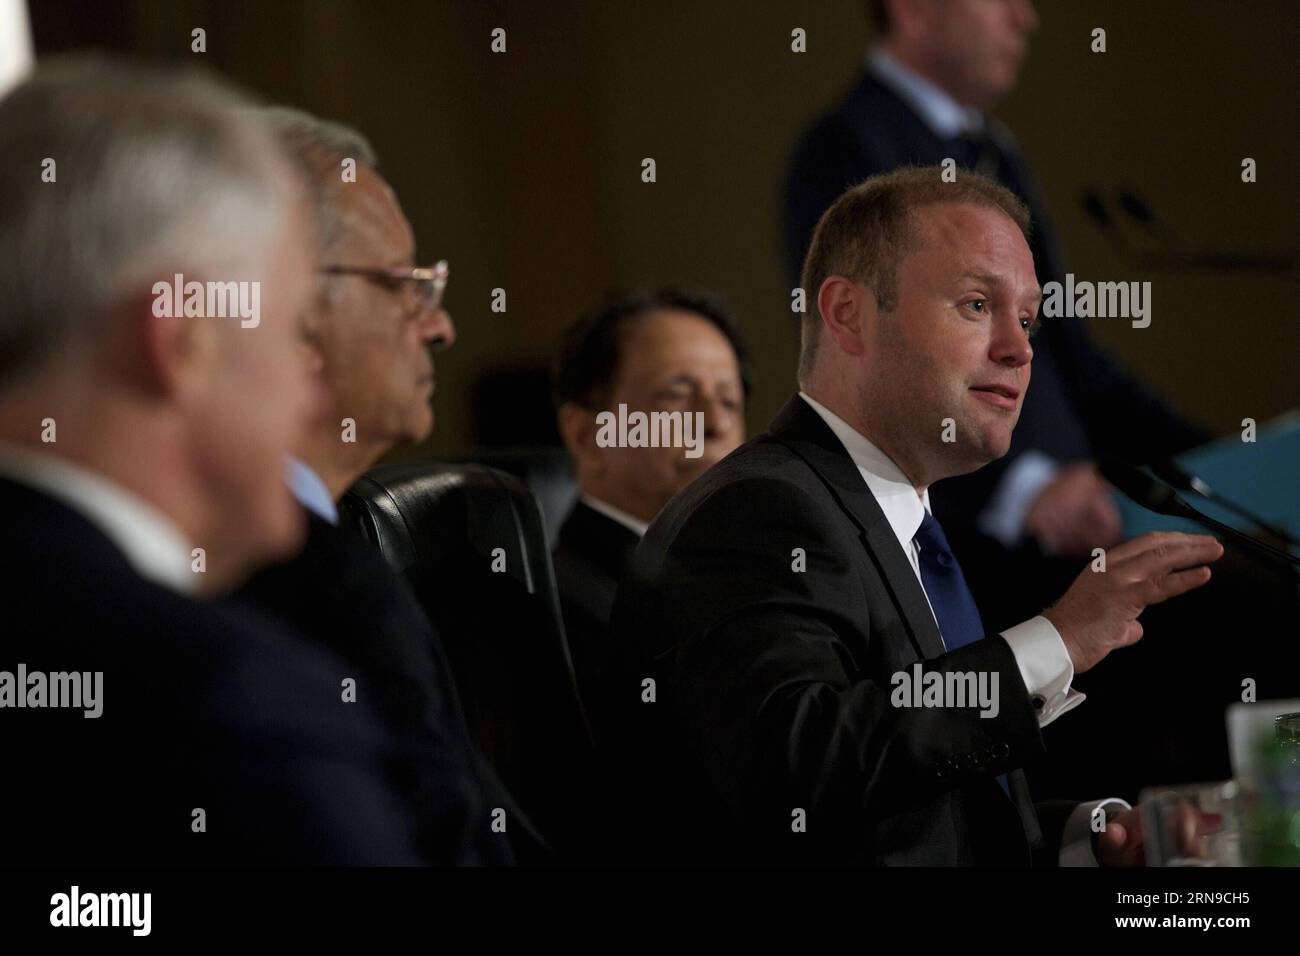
{"points": [[147, 169], [590, 350], [868, 231], [317, 148]]}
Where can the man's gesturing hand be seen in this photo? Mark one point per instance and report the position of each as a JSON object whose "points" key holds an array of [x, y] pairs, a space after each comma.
{"points": [[1099, 612]]}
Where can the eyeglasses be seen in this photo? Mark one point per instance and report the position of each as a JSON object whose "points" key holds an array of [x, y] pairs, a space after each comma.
{"points": [[424, 287]]}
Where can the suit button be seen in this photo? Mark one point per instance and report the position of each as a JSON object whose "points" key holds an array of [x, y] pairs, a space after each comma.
{"points": [[1039, 701], [1001, 750]]}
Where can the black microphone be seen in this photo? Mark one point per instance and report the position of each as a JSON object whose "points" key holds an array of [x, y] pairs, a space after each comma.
{"points": [[1095, 207], [1160, 498], [1136, 207], [1182, 255], [1169, 471], [1141, 212]]}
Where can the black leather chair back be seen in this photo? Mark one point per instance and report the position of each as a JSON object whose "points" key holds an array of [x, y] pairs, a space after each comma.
{"points": [[548, 474], [470, 541]]}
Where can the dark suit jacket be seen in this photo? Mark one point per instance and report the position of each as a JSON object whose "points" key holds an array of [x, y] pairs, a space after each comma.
{"points": [[773, 685], [203, 707], [1080, 404], [342, 594], [592, 553]]}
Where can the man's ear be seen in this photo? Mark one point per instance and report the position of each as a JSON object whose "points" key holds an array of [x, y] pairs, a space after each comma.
{"points": [[166, 354], [577, 425], [313, 353], [847, 308]]}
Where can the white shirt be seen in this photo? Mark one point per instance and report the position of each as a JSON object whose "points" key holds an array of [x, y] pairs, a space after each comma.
{"points": [[1039, 651], [633, 524], [152, 543]]}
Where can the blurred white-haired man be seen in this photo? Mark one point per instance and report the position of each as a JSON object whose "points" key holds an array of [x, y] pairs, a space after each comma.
{"points": [[142, 442]]}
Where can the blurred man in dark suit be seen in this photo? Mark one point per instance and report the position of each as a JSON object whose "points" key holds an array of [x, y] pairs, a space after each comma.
{"points": [[936, 70], [774, 603], [368, 331], [663, 349], [143, 437]]}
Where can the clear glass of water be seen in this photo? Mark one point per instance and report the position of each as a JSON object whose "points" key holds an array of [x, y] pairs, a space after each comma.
{"points": [[1192, 825]]}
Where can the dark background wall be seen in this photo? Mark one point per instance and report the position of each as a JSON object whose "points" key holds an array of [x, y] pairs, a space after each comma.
{"points": [[523, 169]]}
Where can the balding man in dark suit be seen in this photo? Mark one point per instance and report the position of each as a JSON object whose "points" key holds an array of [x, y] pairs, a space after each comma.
{"points": [[808, 678], [924, 97]]}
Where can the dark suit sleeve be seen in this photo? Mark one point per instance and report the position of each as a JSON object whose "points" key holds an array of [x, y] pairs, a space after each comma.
{"points": [[1052, 817], [291, 774], [773, 692]]}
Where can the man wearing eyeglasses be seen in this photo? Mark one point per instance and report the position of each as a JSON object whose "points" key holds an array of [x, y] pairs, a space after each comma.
{"points": [[367, 338], [377, 316]]}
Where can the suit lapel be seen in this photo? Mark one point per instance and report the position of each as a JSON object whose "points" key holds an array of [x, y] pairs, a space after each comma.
{"points": [[802, 430]]}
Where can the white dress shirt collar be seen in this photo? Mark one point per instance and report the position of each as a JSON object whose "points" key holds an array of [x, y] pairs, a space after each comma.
{"points": [[944, 115], [904, 509], [311, 491], [152, 543], [633, 524]]}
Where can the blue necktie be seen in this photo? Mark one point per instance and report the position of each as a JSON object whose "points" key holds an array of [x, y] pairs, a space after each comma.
{"points": [[945, 586]]}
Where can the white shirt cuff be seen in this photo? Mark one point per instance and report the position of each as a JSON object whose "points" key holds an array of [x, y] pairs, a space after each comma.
{"points": [[1045, 668], [1076, 838], [1025, 478]]}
